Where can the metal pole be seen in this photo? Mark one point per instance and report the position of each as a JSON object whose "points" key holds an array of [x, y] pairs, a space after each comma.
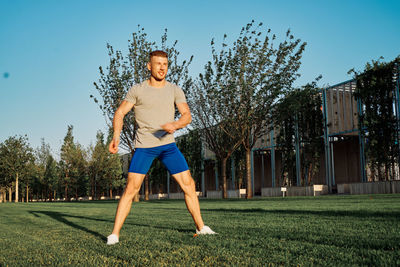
{"points": [[397, 106], [233, 172], [203, 190], [168, 180], [252, 170], [272, 158], [297, 146], [326, 142], [262, 170], [362, 144], [203, 187], [216, 175], [333, 164]]}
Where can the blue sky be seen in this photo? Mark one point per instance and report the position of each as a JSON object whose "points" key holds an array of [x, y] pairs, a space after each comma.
{"points": [[51, 50]]}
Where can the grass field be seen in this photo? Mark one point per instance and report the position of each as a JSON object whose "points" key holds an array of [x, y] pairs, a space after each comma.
{"points": [[326, 230]]}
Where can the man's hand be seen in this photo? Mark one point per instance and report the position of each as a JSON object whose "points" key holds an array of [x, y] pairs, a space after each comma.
{"points": [[169, 127], [113, 147]]}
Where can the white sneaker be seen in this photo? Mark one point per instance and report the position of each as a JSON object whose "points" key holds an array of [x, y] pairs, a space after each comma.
{"points": [[112, 239], [205, 231]]}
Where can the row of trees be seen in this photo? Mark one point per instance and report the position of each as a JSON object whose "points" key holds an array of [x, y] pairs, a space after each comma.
{"points": [[79, 172], [244, 91], [232, 100]]}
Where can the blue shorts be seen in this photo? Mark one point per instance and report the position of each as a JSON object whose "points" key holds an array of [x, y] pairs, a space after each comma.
{"points": [[169, 155]]}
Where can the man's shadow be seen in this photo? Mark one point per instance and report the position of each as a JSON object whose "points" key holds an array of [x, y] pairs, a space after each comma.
{"points": [[62, 217]]}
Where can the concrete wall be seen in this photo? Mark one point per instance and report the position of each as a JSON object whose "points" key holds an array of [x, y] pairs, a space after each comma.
{"points": [[214, 194], [295, 191], [384, 187], [176, 196]]}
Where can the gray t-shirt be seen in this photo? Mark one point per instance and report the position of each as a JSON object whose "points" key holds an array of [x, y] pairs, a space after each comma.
{"points": [[154, 107]]}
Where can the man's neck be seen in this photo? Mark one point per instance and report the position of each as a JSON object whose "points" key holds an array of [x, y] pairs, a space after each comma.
{"points": [[154, 83]]}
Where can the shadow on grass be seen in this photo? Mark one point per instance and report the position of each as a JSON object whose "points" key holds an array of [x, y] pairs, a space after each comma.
{"points": [[61, 217]]}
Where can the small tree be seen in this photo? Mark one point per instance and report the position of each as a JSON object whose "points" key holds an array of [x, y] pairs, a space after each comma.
{"points": [[105, 168], [247, 79], [15, 155], [301, 107], [125, 71], [73, 166], [51, 177], [378, 123]]}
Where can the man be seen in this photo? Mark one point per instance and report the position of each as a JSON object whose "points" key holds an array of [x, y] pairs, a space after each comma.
{"points": [[154, 103]]}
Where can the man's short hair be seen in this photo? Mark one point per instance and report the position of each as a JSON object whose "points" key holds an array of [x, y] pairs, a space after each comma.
{"points": [[158, 53]]}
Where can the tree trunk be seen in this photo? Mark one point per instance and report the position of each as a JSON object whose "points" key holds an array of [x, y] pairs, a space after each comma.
{"points": [[27, 193], [92, 187], [146, 187], [310, 174], [111, 195], [66, 193], [54, 195], [224, 184], [249, 191], [16, 188]]}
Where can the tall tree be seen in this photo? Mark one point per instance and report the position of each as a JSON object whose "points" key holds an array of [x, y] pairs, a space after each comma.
{"points": [[105, 169], [248, 78], [15, 155], [51, 177], [214, 122], [301, 107], [73, 166], [124, 71], [376, 87], [42, 154], [67, 149]]}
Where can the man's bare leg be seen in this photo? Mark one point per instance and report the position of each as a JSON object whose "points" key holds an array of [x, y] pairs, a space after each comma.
{"points": [[124, 206], [185, 181]]}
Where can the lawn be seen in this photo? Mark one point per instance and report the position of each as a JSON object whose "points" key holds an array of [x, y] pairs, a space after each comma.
{"points": [[325, 230]]}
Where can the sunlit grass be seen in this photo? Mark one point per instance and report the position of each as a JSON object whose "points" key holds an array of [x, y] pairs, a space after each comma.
{"points": [[326, 230]]}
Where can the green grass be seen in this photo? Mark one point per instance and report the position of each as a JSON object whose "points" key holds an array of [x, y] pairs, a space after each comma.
{"points": [[326, 230]]}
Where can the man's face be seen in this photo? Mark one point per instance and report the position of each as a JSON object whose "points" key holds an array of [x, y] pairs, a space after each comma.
{"points": [[158, 67]]}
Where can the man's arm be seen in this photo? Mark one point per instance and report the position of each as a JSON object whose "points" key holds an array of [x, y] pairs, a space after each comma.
{"points": [[118, 122], [184, 120]]}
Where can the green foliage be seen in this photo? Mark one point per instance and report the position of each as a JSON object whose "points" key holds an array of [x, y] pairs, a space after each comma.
{"points": [[16, 156], [301, 106], [234, 97], [105, 169], [378, 123], [51, 176], [291, 231], [125, 71], [73, 167], [190, 146]]}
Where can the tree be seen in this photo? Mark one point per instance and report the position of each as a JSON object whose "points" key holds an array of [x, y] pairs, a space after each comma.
{"points": [[104, 168], [73, 166], [213, 121], [15, 155], [190, 145], [125, 71], [376, 87], [51, 177], [302, 108], [246, 80], [42, 155]]}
